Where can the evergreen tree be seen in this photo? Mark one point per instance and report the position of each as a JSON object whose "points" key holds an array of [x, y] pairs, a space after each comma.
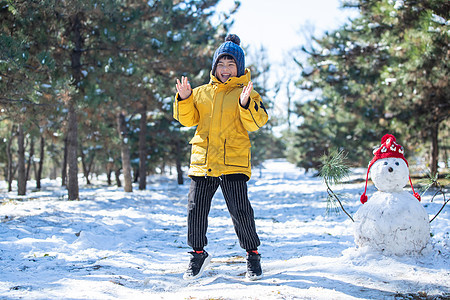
{"points": [[385, 72], [265, 144], [170, 38], [92, 63], [25, 67]]}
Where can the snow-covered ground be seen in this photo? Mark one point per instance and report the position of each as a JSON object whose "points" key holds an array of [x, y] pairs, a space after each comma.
{"points": [[117, 245]]}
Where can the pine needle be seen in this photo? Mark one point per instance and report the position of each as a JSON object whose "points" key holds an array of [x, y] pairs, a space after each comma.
{"points": [[334, 170]]}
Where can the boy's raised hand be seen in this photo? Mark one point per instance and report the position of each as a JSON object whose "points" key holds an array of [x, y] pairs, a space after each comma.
{"points": [[245, 95], [183, 88]]}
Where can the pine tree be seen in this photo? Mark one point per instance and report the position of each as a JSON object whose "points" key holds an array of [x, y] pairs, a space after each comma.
{"points": [[170, 38], [25, 68], [264, 143], [91, 61], [385, 72]]}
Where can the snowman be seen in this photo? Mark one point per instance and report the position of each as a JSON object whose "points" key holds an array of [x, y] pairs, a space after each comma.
{"points": [[392, 221]]}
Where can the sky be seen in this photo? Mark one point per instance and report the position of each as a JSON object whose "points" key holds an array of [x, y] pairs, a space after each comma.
{"points": [[278, 25]]}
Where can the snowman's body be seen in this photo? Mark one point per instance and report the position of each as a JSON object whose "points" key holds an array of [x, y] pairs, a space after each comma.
{"points": [[392, 220]]}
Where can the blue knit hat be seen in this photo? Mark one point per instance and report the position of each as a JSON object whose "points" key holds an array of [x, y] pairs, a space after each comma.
{"points": [[231, 47]]}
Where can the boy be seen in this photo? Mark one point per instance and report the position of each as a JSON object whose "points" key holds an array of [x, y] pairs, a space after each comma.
{"points": [[224, 110]]}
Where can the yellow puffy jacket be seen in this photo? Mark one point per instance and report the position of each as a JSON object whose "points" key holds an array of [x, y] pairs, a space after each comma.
{"points": [[221, 144]]}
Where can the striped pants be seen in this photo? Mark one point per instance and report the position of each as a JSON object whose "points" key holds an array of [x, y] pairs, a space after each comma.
{"points": [[234, 190]]}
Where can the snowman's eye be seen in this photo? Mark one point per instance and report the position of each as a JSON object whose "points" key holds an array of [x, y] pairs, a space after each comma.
{"points": [[397, 163], [385, 163]]}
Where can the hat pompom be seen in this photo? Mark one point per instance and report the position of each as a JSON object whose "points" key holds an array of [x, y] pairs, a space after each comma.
{"points": [[363, 198], [387, 136], [233, 38]]}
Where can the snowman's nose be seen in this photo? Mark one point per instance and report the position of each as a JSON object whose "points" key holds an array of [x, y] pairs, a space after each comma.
{"points": [[390, 169]]}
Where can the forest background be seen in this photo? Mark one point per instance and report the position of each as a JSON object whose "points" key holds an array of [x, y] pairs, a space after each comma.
{"points": [[87, 87]]}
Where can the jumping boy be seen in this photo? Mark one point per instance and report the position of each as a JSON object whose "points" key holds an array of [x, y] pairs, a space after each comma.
{"points": [[224, 110]]}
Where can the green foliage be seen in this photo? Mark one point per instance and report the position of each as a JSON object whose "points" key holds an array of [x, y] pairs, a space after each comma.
{"points": [[12, 51], [334, 168], [265, 144], [386, 72], [106, 57]]}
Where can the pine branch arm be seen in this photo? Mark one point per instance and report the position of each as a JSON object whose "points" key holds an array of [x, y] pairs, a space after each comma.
{"points": [[332, 194]]}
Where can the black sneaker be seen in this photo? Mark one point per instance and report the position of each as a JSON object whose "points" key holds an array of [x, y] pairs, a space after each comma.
{"points": [[197, 265], [254, 270]]}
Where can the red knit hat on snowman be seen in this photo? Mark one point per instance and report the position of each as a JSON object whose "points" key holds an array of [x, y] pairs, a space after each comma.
{"points": [[388, 148]]}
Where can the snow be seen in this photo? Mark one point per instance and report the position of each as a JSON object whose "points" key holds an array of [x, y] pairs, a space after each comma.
{"points": [[392, 220], [117, 245]]}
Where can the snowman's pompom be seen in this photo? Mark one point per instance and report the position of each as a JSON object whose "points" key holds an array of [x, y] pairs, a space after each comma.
{"points": [[233, 38], [387, 136]]}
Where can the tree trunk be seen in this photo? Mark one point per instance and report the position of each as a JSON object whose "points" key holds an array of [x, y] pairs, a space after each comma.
{"points": [[143, 147], [125, 152], [91, 165], [22, 179], [64, 165], [41, 163], [54, 168], [30, 158], [288, 94], [72, 132], [72, 157], [86, 169], [117, 175], [10, 159], [109, 169], [135, 174], [434, 149]]}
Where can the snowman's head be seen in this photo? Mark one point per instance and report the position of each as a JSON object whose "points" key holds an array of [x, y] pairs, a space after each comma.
{"points": [[389, 174], [388, 168]]}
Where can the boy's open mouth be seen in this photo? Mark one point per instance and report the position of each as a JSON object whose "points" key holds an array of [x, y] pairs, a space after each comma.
{"points": [[226, 76]]}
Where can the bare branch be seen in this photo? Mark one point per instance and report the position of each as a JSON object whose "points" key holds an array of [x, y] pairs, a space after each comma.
{"points": [[440, 191], [4, 100]]}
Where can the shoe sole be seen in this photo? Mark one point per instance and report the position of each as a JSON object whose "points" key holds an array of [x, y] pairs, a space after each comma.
{"points": [[205, 264], [253, 278]]}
